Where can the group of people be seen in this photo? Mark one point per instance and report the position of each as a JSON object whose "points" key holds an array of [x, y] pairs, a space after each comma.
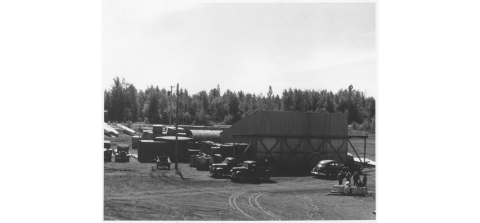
{"points": [[356, 179]]}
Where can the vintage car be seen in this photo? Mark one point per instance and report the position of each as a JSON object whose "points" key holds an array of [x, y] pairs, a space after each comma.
{"points": [[107, 155], [122, 154], [250, 170], [163, 162], [327, 168], [220, 169]]}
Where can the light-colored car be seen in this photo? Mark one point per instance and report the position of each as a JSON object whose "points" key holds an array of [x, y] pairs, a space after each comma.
{"points": [[327, 167]]}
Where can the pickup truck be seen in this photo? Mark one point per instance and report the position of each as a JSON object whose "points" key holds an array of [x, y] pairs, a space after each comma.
{"points": [[250, 170], [223, 168]]}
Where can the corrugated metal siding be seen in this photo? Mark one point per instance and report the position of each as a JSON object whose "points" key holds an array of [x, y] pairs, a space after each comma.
{"points": [[246, 125], [303, 154], [206, 135], [279, 122]]}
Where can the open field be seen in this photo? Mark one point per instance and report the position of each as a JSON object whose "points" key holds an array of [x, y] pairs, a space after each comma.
{"points": [[133, 192], [359, 143]]}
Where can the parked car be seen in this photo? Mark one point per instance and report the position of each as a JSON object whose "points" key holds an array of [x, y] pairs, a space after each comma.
{"points": [[122, 154], [327, 168], [220, 169], [107, 155], [163, 162], [352, 165], [250, 170]]}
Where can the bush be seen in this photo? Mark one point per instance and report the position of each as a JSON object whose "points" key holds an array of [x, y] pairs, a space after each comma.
{"points": [[368, 125], [354, 126]]}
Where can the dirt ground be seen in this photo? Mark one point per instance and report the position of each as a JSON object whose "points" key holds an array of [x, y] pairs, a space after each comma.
{"points": [[132, 191]]}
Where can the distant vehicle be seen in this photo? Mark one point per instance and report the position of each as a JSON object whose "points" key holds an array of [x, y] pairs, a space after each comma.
{"points": [[163, 162], [332, 167], [328, 167], [107, 155], [250, 170], [122, 154], [353, 165], [220, 169]]}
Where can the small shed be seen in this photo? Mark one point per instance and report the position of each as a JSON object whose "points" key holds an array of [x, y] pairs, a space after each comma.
{"points": [[136, 142], [149, 150], [184, 143]]}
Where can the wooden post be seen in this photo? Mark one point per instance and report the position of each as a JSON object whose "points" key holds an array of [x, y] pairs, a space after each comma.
{"points": [[171, 96], [364, 149], [281, 150], [233, 155], [244, 152], [356, 152], [176, 134]]}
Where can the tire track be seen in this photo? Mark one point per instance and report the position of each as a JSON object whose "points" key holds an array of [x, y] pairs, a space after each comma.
{"points": [[230, 200], [260, 207], [250, 199], [235, 204]]}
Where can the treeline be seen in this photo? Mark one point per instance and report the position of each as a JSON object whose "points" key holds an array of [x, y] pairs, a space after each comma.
{"points": [[123, 103]]}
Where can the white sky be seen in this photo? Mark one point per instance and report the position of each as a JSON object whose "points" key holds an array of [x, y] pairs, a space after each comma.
{"points": [[240, 46]]}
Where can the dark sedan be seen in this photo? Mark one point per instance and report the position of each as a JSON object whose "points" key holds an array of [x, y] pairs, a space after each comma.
{"points": [[327, 167]]}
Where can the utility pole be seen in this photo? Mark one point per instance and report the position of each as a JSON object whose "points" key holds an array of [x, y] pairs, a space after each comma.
{"points": [[350, 88], [171, 95], [176, 134]]}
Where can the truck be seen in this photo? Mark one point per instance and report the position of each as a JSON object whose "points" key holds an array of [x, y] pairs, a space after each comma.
{"points": [[122, 154], [163, 162], [223, 168], [250, 170]]}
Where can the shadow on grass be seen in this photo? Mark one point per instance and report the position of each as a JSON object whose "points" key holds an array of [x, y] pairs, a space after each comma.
{"points": [[279, 173], [117, 169], [331, 178], [221, 177], [257, 182]]}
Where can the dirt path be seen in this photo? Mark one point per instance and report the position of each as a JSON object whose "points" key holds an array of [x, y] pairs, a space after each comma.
{"points": [[279, 201], [133, 192]]}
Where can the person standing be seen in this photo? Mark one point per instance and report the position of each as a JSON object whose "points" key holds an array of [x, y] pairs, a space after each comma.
{"points": [[356, 178], [348, 176], [364, 180], [340, 177]]}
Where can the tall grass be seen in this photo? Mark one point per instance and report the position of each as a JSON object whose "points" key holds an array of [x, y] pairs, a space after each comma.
{"points": [[368, 126]]}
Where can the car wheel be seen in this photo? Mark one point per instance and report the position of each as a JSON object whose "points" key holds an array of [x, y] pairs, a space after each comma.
{"points": [[242, 178], [267, 177]]}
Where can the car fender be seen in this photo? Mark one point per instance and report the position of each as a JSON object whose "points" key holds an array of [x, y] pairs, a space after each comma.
{"points": [[239, 172]]}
